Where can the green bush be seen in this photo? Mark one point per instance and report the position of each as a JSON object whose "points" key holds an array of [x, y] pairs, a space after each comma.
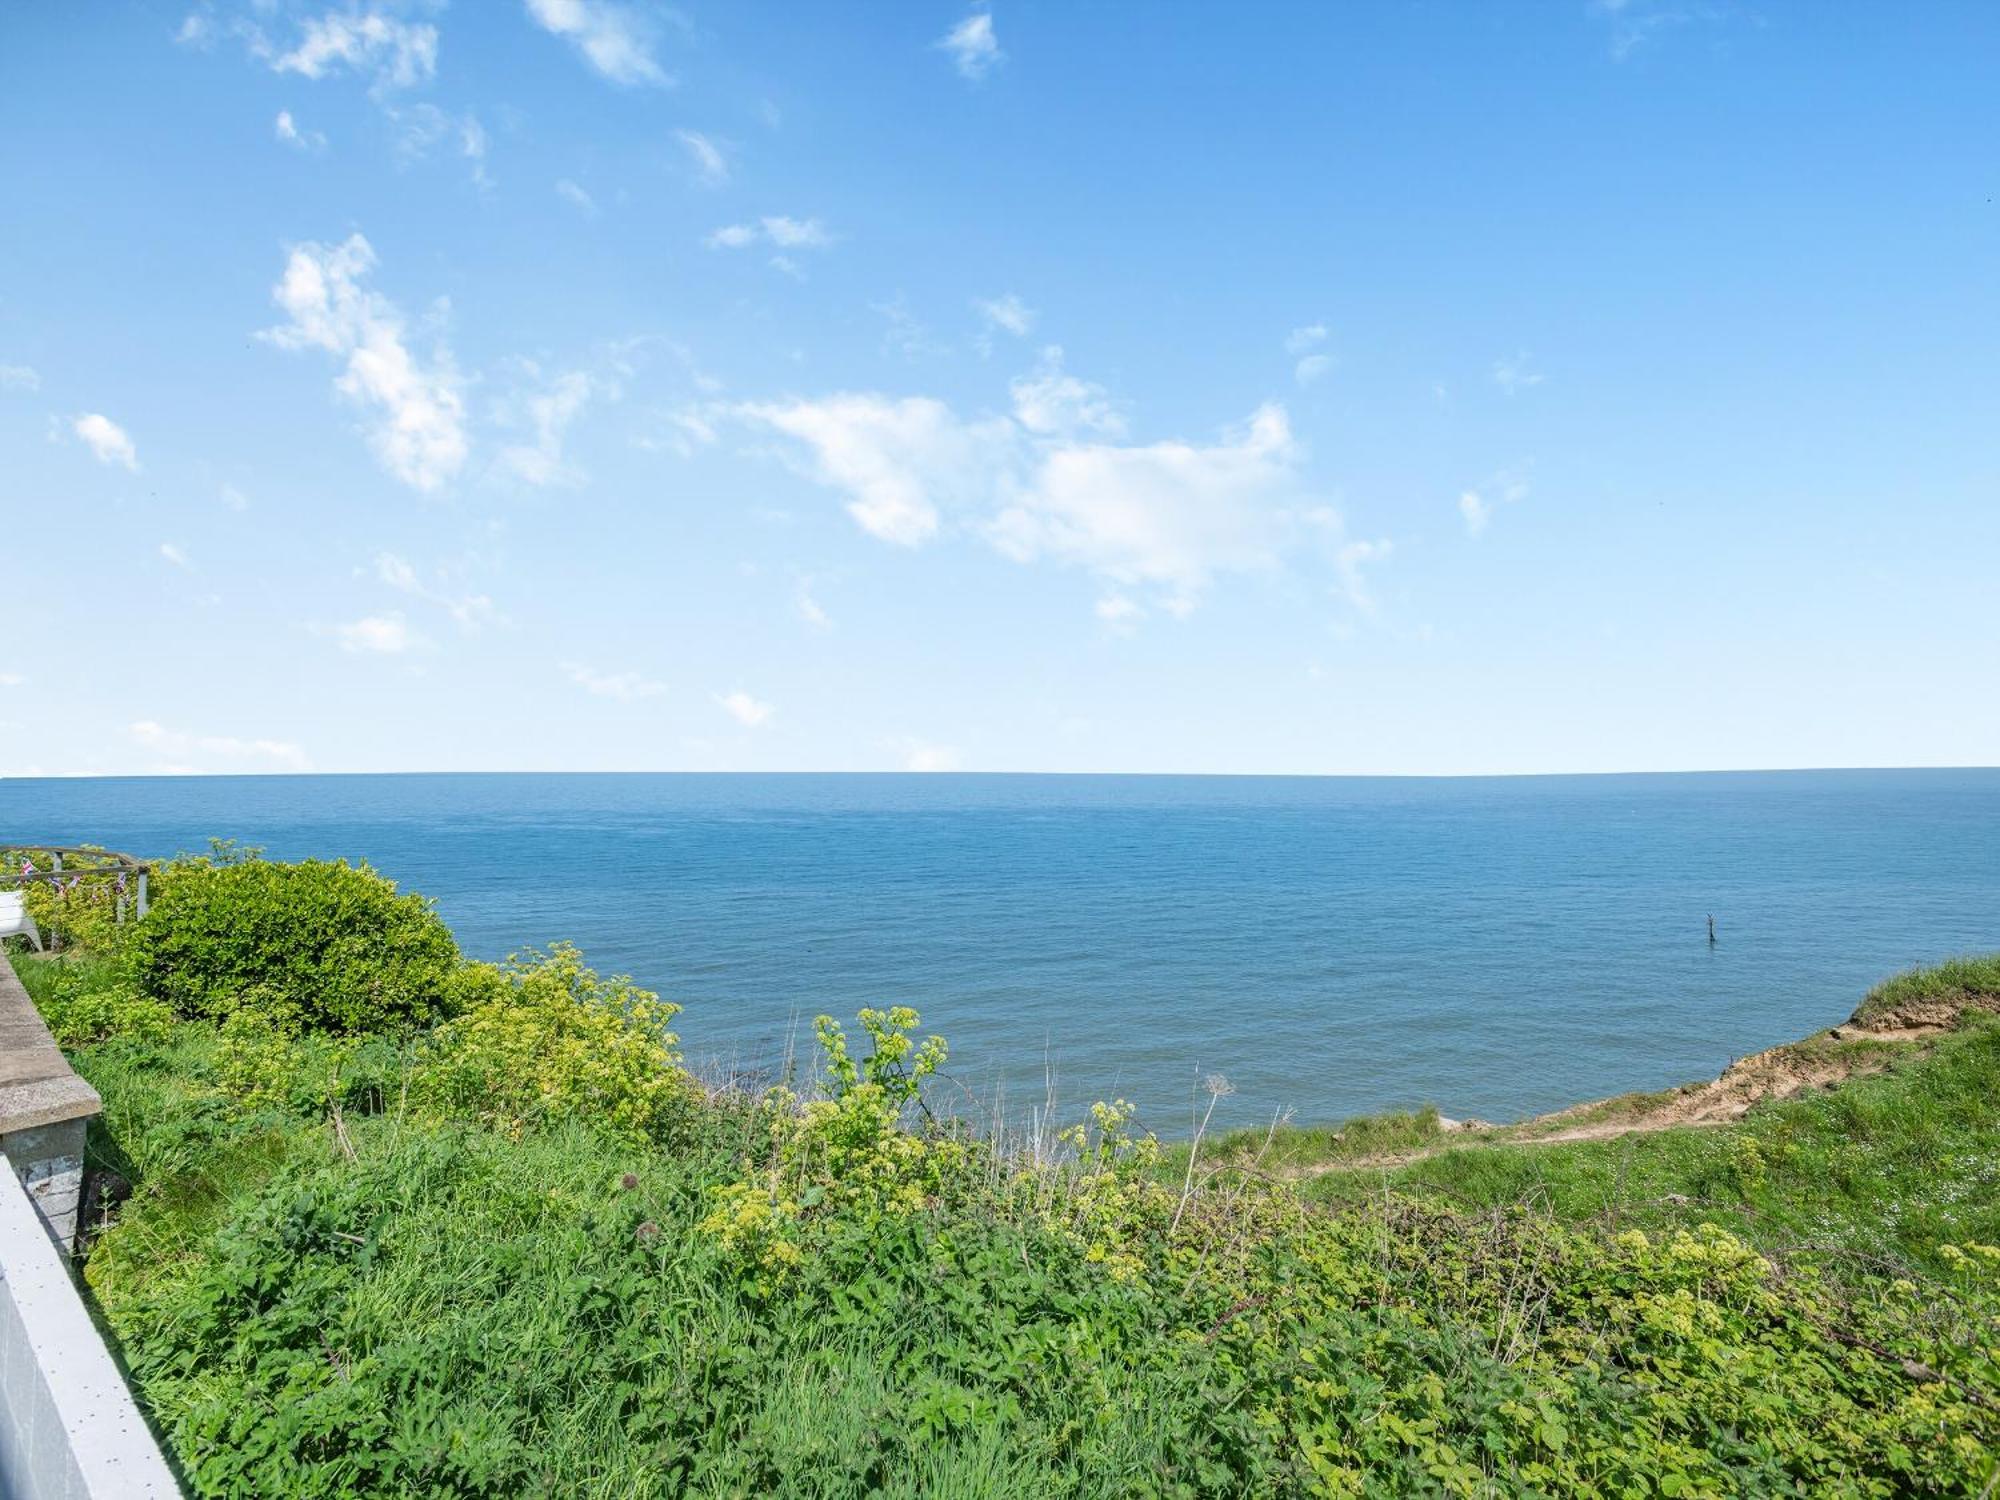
{"points": [[543, 1039], [317, 946]]}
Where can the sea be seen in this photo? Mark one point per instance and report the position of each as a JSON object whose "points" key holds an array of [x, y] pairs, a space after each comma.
{"points": [[1311, 947]]}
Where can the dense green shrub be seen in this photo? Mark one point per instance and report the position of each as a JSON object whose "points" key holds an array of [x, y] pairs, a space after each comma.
{"points": [[317, 946], [542, 1039]]}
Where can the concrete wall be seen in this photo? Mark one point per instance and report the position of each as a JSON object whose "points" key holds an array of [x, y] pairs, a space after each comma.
{"points": [[43, 1110], [68, 1427]]}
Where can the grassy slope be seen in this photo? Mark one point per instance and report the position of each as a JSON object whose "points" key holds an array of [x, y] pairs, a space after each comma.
{"points": [[505, 1317], [1892, 1164]]}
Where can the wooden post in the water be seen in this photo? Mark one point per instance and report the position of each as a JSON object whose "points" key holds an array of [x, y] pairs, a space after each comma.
{"points": [[1711, 930]]}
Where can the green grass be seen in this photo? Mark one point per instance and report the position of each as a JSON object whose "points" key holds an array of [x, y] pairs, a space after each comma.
{"points": [[394, 1302], [1891, 1165], [1953, 982]]}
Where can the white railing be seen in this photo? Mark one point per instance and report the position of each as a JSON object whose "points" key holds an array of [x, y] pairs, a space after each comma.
{"points": [[69, 1429]]}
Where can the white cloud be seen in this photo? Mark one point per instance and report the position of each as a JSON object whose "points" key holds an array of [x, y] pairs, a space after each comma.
{"points": [[12, 680], [1052, 401], [616, 40], [287, 130], [234, 498], [425, 133], [179, 744], [19, 378], [1120, 612], [388, 634], [1008, 314], [1634, 23], [710, 166], [569, 191], [469, 611], [1477, 508], [1351, 558], [972, 46], [750, 712], [397, 53], [810, 610], [775, 229], [1168, 514], [174, 553], [546, 412], [1516, 375], [1300, 343], [919, 755], [106, 439], [419, 430], [896, 459], [1158, 521], [626, 687], [906, 334]]}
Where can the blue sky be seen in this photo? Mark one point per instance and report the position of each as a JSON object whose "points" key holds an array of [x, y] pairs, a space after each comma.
{"points": [[1412, 387]]}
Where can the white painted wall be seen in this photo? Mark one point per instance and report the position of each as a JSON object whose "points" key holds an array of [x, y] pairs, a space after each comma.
{"points": [[68, 1427]]}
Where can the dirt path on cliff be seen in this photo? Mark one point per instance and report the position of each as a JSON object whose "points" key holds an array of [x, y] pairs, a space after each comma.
{"points": [[1847, 1051]]}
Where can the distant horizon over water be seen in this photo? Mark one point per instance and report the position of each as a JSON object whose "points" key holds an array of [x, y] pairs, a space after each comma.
{"points": [[1332, 945]]}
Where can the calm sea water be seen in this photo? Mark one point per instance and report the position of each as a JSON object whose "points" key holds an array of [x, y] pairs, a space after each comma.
{"points": [[1330, 945]]}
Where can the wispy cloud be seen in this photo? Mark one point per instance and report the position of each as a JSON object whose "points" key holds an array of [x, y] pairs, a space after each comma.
{"points": [[711, 167], [775, 229], [470, 611], [1632, 24], [286, 129], [922, 755], [418, 430], [386, 634], [571, 193], [1477, 507], [1516, 375], [625, 687], [544, 408], [1305, 345], [972, 45], [1051, 400], [424, 133], [1009, 314], [809, 608], [1350, 561], [19, 378], [751, 713], [181, 745], [394, 53], [616, 40], [106, 439], [174, 553]]}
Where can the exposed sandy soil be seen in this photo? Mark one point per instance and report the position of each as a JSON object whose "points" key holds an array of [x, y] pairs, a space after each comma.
{"points": [[1847, 1051]]}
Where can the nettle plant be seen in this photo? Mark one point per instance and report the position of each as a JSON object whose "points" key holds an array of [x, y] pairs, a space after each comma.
{"points": [[850, 1153]]}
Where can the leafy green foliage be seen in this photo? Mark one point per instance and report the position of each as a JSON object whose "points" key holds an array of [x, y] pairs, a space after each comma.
{"points": [[317, 946], [543, 1039], [91, 905], [84, 999], [846, 1155], [391, 1266]]}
